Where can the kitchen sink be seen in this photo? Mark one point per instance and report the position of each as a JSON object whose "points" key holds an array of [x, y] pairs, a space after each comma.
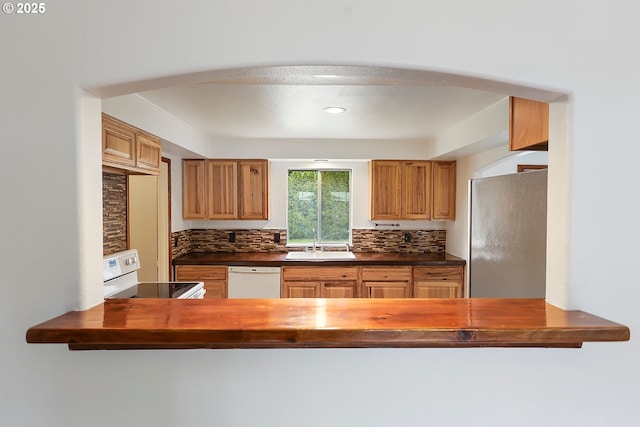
{"points": [[320, 256]]}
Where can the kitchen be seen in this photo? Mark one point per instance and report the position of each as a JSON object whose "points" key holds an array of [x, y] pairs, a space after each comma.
{"points": [[414, 282], [528, 43], [249, 273], [375, 232]]}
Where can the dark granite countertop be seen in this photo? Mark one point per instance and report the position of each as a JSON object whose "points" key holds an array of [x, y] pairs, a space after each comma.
{"points": [[278, 259]]}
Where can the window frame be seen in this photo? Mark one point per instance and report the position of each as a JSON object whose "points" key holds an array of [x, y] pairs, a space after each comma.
{"points": [[318, 228]]}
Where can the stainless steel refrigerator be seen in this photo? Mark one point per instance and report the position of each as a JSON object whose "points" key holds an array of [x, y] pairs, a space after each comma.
{"points": [[508, 232]]}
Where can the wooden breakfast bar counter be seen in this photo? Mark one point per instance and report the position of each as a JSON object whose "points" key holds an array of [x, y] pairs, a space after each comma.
{"points": [[324, 323]]}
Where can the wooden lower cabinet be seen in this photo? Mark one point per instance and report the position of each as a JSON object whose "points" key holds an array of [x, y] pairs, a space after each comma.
{"points": [[339, 289], [386, 282], [214, 278], [438, 282], [295, 289], [344, 282], [319, 282]]}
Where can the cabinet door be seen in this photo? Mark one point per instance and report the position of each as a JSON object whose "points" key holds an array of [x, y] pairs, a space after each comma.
{"points": [[528, 124], [386, 290], [213, 277], [215, 289], [292, 289], [222, 189], [386, 181], [436, 289], [118, 144], [339, 289], [253, 189], [148, 153], [193, 189], [444, 190], [438, 282], [386, 281], [416, 190]]}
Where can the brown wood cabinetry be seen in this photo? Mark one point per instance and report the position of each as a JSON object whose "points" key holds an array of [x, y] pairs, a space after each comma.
{"points": [[438, 282], [222, 189], [528, 124], [385, 181], [225, 189], [213, 277], [443, 206], [294, 289], [319, 282], [418, 190], [128, 149], [385, 282], [193, 189], [400, 189], [253, 189]]}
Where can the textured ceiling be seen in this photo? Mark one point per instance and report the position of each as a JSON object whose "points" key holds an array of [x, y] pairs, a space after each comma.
{"points": [[288, 102]]}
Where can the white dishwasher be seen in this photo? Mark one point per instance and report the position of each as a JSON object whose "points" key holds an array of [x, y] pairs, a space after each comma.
{"points": [[254, 282]]}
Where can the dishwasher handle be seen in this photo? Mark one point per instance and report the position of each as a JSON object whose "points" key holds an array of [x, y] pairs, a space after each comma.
{"points": [[254, 270]]}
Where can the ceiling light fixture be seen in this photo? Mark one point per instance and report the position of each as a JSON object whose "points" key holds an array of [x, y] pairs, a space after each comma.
{"points": [[334, 110]]}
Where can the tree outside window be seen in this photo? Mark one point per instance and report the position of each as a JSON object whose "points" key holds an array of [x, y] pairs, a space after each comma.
{"points": [[319, 207]]}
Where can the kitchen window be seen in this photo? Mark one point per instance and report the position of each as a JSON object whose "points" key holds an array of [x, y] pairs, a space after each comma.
{"points": [[318, 206]]}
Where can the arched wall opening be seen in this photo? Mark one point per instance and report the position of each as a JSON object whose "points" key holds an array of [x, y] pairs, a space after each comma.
{"points": [[89, 156]]}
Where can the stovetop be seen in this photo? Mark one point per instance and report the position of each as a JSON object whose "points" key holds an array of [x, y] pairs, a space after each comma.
{"points": [[159, 290]]}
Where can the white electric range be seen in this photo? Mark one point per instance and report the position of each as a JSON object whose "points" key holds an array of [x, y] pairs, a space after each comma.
{"points": [[120, 280]]}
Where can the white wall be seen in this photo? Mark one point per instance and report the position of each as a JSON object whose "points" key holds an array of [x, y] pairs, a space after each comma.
{"points": [[509, 164], [50, 211]]}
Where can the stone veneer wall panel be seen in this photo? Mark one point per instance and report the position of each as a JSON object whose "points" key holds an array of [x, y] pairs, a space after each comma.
{"points": [[114, 213]]}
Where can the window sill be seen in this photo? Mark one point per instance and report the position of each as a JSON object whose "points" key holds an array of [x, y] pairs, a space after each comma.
{"points": [[324, 323]]}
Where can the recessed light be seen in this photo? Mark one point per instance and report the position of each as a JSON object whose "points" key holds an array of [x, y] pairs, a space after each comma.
{"points": [[334, 110]]}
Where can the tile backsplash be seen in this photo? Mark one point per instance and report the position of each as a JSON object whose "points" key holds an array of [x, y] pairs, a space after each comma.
{"points": [[114, 213], [260, 240]]}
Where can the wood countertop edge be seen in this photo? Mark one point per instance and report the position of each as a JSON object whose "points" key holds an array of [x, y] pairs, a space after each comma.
{"points": [[84, 330]]}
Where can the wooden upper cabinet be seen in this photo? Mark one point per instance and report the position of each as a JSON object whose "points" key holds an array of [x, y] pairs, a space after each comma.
{"points": [[118, 143], [129, 149], [386, 181], [225, 189], [193, 189], [222, 189], [400, 189], [148, 152], [419, 189], [444, 191], [528, 124], [253, 189], [416, 190]]}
